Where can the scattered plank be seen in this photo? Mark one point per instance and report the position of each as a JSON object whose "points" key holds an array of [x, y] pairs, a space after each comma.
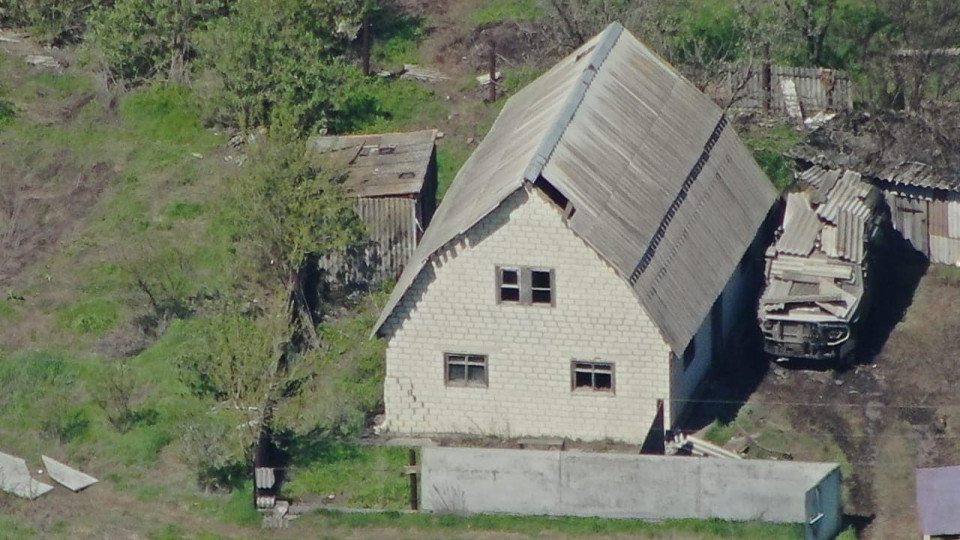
{"points": [[66, 476], [420, 73]]}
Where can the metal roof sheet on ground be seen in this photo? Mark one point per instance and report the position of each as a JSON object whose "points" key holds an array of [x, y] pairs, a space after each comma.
{"points": [[800, 226], [914, 173], [663, 189], [68, 477], [380, 164], [15, 478], [938, 498]]}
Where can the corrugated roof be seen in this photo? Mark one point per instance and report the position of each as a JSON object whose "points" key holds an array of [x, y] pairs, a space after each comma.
{"points": [[825, 283], [378, 165], [800, 226], [914, 173], [662, 188], [938, 497]]}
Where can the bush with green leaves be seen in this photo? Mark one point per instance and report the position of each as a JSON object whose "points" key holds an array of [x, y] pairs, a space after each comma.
{"points": [[140, 39], [59, 22], [285, 59]]}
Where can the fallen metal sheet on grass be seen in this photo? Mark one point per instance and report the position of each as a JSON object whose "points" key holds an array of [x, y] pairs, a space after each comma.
{"points": [[15, 478], [66, 476]]}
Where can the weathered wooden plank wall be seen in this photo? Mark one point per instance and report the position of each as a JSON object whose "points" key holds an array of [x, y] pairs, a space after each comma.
{"points": [[819, 89]]}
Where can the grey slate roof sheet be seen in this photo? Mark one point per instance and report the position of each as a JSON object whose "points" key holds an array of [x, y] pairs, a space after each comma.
{"points": [[378, 165], [663, 189], [914, 173]]}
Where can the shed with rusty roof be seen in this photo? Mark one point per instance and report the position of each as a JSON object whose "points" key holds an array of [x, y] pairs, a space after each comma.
{"points": [[588, 262], [925, 208], [393, 178]]}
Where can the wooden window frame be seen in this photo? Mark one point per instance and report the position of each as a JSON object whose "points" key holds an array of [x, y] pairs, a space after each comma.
{"points": [[525, 285], [592, 389], [467, 360]]}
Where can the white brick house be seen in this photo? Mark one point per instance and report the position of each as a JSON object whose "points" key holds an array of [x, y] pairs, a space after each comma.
{"points": [[586, 262]]}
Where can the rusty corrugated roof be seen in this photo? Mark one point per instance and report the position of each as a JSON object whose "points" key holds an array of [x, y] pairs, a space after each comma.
{"points": [[662, 187]]}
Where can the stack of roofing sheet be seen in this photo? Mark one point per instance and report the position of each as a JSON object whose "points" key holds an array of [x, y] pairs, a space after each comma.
{"points": [[814, 268]]}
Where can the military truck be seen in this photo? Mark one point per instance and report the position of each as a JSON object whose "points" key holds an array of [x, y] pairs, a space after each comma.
{"points": [[817, 288]]}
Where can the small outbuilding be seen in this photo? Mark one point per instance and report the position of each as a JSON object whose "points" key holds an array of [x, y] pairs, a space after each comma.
{"points": [[924, 208], [393, 177], [938, 502]]}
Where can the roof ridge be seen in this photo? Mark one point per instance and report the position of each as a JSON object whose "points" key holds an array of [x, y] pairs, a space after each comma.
{"points": [[610, 37]]}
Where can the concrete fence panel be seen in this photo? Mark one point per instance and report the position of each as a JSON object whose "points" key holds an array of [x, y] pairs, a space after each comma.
{"points": [[531, 482]]}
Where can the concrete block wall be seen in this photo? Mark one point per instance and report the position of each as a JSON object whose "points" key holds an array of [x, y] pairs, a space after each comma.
{"points": [[530, 482], [452, 308]]}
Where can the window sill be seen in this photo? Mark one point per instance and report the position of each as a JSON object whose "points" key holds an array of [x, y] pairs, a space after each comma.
{"points": [[592, 392], [466, 385]]}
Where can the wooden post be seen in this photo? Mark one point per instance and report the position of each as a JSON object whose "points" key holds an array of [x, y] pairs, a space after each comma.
{"points": [[493, 71], [414, 501], [365, 46], [765, 78]]}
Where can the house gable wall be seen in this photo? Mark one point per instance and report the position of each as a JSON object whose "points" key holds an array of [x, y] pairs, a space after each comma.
{"points": [[451, 308]]}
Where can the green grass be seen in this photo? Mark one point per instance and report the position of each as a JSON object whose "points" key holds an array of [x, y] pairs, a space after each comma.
{"points": [[399, 105], [768, 146], [183, 210], [451, 155], [10, 527], [89, 316], [506, 10], [948, 275], [397, 39], [719, 433], [545, 527], [367, 477]]}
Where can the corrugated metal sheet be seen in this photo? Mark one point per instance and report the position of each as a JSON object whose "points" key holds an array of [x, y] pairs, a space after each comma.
{"points": [[800, 226], [378, 165], [953, 217], [393, 229], [945, 250], [939, 218], [910, 216], [663, 189]]}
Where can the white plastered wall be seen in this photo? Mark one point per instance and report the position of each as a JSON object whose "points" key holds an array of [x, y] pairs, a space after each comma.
{"points": [[451, 307]]}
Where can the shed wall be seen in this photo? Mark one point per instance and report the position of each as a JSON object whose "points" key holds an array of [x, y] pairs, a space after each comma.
{"points": [[452, 308], [394, 226]]}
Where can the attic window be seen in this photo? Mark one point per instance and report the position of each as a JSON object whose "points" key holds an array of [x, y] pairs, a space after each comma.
{"points": [[525, 285], [596, 376], [407, 175], [386, 149]]}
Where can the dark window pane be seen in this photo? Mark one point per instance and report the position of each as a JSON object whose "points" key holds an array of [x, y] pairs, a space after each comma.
{"points": [[541, 296], [509, 277], [540, 279], [475, 373], [583, 379], [603, 380], [508, 294], [456, 372]]}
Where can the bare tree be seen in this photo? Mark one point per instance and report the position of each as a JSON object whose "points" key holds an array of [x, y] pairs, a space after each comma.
{"points": [[812, 20]]}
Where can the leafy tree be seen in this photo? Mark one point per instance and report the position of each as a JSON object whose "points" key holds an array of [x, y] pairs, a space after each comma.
{"points": [[292, 211], [286, 58], [140, 39], [60, 22]]}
